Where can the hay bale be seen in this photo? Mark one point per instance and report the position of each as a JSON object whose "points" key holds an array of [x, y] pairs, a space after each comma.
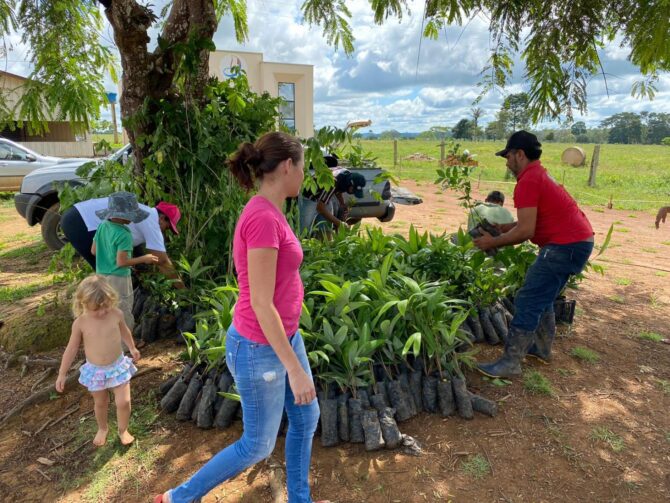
{"points": [[574, 156]]}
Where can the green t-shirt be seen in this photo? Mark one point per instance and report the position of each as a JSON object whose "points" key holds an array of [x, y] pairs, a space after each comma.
{"points": [[489, 211], [109, 239]]}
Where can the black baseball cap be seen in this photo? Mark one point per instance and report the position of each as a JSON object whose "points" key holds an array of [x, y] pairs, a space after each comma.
{"points": [[347, 179], [331, 160], [522, 140]]}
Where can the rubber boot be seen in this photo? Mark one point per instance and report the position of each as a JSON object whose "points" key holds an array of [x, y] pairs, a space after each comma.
{"points": [[544, 337], [509, 364]]}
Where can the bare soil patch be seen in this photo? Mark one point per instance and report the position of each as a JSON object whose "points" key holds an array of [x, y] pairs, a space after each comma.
{"points": [[602, 436]]}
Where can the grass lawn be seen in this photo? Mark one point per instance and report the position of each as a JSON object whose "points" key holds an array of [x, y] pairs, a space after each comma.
{"points": [[109, 137], [636, 176]]}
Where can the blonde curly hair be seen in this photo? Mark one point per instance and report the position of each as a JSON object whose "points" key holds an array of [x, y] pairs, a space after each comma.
{"points": [[94, 290]]}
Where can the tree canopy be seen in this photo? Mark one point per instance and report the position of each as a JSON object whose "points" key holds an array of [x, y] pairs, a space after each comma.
{"points": [[557, 41], [67, 75], [463, 129]]}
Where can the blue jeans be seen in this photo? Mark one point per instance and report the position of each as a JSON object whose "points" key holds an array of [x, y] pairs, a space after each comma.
{"points": [[263, 386], [545, 279]]}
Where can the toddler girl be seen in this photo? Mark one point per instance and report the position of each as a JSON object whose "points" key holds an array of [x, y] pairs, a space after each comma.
{"points": [[101, 326]]}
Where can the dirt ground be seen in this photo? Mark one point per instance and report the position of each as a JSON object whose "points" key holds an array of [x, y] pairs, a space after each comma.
{"points": [[602, 436]]}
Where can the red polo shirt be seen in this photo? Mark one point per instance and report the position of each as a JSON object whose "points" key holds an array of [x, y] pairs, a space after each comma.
{"points": [[559, 219]]}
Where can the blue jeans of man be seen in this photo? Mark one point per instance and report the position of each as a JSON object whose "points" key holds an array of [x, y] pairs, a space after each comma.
{"points": [[545, 279], [264, 389]]}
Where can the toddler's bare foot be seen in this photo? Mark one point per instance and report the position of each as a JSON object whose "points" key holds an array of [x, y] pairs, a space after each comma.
{"points": [[100, 438], [126, 438]]}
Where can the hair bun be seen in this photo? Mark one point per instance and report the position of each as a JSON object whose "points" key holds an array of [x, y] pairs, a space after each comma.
{"points": [[252, 155]]}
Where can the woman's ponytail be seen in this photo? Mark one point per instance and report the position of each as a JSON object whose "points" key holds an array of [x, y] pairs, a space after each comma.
{"points": [[244, 164]]}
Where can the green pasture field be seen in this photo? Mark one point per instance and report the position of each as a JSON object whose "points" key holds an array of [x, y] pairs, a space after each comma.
{"points": [[637, 177]]}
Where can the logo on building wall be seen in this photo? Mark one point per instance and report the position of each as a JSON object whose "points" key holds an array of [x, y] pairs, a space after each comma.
{"points": [[233, 65]]}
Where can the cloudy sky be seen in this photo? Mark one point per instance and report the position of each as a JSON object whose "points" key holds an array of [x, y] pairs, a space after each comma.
{"points": [[396, 79]]}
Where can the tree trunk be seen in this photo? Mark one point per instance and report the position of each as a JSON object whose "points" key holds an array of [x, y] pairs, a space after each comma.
{"points": [[203, 22], [150, 75]]}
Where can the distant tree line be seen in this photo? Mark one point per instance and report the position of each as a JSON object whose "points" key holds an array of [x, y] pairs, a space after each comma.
{"points": [[649, 128]]}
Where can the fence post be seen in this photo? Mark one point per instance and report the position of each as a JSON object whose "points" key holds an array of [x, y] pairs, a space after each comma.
{"points": [[595, 159], [442, 153], [395, 153]]}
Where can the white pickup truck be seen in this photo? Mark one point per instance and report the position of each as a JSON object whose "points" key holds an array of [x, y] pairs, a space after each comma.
{"points": [[38, 202]]}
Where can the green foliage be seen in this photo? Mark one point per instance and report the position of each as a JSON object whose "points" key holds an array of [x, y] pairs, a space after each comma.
{"points": [[25, 252], [113, 462], [578, 128], [187, 164], [328, 139], [497, 381], [457, 176], [591, 264], [585, 354], [650, 336], [67, 268], [636, 178], [102, 146], [624, 127], [561, 43], [514, 112], [66, 81], [476, 467], [386, 301], [604, 434], [208, 343], [238, 11], [536, 383], [358, 157], [13, 293], [331, 140], [333, 16], [102, 178], [464, 129]]}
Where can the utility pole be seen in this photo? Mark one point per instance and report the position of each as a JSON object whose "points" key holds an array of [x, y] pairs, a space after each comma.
{"points": [[111, 97]]}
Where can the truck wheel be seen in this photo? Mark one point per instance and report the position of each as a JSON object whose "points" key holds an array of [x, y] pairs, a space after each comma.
{"points": [[51, 232]]}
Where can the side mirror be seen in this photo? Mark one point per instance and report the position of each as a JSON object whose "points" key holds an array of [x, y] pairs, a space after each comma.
{"points": [[30, 158]]}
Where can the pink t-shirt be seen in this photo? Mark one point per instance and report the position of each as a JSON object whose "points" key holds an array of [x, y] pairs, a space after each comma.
{"points": [[262, 225]]}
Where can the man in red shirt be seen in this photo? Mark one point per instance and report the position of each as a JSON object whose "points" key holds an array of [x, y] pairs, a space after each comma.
{"points": [[550, 218]]}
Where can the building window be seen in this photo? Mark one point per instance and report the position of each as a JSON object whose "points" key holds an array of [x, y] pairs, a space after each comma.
{"points": [[287, 108]]}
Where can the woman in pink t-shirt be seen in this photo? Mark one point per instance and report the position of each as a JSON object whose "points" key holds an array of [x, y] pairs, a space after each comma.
{"points": [[264, 349]]}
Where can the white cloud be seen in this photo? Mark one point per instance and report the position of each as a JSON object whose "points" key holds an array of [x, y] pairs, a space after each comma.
{"points": [[389, 80]]}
